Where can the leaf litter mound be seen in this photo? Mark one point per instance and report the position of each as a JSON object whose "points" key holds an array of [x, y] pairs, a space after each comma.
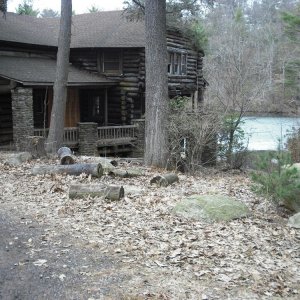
{"points": [[165, 256]]}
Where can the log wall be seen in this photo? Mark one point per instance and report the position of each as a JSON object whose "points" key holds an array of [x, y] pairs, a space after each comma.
{"points": [[124, 98]]}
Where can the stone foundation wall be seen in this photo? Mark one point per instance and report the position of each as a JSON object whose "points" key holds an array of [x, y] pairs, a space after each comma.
{"points": [[139, 148], [22, 113], [87, 138]]}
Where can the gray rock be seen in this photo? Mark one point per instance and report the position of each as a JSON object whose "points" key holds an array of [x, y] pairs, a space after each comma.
{"points": [[294, 221], [211, 208], [17, 159]]}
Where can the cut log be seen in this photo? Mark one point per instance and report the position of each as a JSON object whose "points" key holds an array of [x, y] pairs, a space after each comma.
{"points": [[35, 145], [95, 170], [126, 173], [107, 164], [110, 192], [164, 180], [66, 156]]}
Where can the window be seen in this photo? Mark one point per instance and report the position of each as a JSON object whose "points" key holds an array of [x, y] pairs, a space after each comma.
{"points": [[111, 62], [177, 63]]}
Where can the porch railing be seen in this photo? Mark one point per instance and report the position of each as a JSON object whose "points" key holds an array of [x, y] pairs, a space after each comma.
{"points": [[70, 134], [116, 132], [126, 132]]}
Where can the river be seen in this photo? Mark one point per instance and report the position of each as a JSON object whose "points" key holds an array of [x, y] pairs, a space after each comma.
{"points": [[264, 133]]}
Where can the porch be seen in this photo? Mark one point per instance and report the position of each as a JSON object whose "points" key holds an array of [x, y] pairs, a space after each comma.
{"points": [[104, 140]]}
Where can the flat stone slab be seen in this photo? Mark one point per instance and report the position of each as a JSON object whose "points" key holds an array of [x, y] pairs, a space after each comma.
{"points": [[211, 208]]}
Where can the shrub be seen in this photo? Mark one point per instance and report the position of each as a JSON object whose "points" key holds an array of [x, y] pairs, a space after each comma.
{"points": [[277, 178], [192, 136]]}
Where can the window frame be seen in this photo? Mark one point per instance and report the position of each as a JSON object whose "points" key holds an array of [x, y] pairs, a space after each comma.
{"points": [[179, 68], [102, 61]]}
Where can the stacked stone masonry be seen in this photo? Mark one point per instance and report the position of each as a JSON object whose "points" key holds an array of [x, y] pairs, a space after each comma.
{"points": [[22, 112], [87, 138]]}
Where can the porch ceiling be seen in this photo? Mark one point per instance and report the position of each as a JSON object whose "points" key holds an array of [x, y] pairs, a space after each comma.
{"points": [[41, 71]]}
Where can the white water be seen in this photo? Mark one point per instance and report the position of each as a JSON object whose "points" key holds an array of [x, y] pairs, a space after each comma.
{"points": [[265, 133]]}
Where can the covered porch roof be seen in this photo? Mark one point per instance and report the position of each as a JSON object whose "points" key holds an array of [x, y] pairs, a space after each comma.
{"points": [[40, 71]]}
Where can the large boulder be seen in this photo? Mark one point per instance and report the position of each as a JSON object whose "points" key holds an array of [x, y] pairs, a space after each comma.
{"points": [[211, 208], [16, 159], [294, 221]]}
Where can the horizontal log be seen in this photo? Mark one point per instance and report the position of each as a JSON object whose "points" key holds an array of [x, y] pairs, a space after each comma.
{"points": [[126, 173], [129, 84], [95, 170], [164, 180], [110, 192]]}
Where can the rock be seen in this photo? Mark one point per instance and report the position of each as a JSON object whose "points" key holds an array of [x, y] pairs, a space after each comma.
{"points": [[294, 221], [211, 208], [17, 159]]}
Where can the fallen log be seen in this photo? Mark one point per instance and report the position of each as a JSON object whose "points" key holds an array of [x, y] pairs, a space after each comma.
{"points": [[110, 192], [66, 156], [107, 164], [126, 173], [95, 170], [164, 180]]}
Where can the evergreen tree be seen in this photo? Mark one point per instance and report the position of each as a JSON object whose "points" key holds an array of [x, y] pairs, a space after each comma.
{"points": [[93, 9], [49, 13], [26, 8], [3, 7], [292, 70]]}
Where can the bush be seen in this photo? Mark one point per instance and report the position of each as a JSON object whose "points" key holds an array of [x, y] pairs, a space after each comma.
{"points": [[277, 178], [192, 136]]}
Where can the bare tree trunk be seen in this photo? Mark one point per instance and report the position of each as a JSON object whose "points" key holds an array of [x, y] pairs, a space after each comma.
{"points": [[156, 148], [56, 132]]}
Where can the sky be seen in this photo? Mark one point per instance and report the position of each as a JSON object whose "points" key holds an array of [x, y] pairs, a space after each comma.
{"points": [[80, 6]]}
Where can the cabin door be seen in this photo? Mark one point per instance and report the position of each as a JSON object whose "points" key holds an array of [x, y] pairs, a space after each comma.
{"points": [[93, 106]]}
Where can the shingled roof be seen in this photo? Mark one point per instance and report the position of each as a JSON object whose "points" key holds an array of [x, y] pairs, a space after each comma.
{"points": [[102, 29], [41, 71]]}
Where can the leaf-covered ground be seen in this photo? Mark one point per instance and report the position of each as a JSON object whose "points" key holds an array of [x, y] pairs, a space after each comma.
{"points": [[160, 255]]}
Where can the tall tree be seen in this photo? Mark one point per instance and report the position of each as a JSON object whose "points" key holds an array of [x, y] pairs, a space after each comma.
{"points": [[176, 10], [26, 8], [49, 13], [3, 7], [237, 71], [292, 70], [93, 9], [156, 148], [56, 132]]}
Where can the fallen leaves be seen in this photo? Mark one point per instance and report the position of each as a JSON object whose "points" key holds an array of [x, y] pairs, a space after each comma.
{"points": [[259, 253]]}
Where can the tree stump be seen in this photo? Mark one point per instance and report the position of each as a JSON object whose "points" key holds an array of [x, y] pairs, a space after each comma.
{"points": [[35, 145]]}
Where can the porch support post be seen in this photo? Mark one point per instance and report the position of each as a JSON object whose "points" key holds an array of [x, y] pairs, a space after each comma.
{"points": [[88, 138], [22, 113], [106, 108]]}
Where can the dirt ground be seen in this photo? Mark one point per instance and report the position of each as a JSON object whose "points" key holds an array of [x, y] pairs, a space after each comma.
{"points": [[53, 247]]}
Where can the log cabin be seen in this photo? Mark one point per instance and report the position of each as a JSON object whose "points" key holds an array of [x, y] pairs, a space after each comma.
{"points": [[106, 82]]}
